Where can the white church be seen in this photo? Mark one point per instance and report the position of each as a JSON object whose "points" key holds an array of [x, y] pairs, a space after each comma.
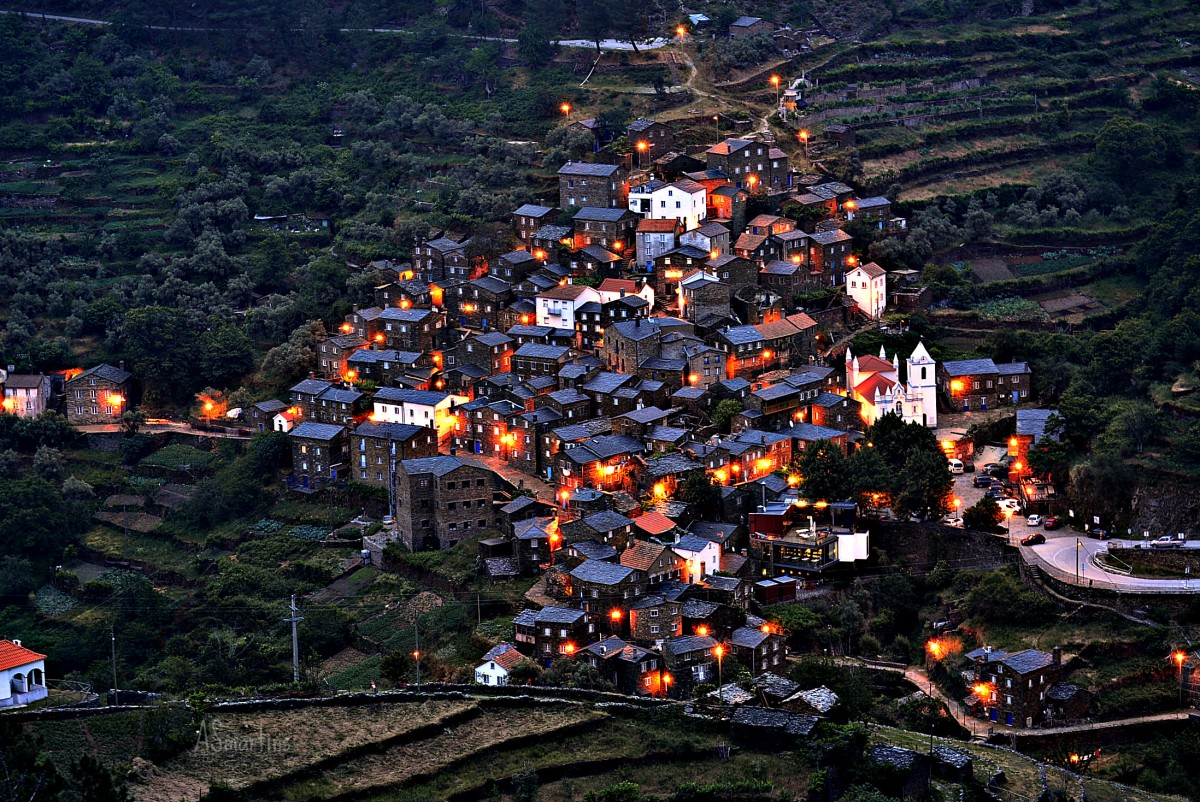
{"points": [[874, 382]]}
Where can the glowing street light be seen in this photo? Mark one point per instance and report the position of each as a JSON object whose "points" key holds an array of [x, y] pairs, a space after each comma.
{"points": [[775, 83], [719, 651], [642, 147], [681, 32], [803, 135], [565, 108]]}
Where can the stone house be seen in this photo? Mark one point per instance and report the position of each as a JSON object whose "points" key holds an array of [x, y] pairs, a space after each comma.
{"points": [[711, 237], [98, 395], [1016, 683], [333, 353], [374, 446], [258, 417], [583, 184], [632, 669], [411, 329], [981, 384], [480, 302], [653, 619], [701, 295], [829, 254], [744, 27], [759, 648], [528, 218], [611, 229], [318, 452], [552, 633], [671, 267], [532, 360], [598, 587], [492, 351], [338, 405], [440, 259], [442, 500], [386, 366], [691, 661], [654, 238], [659, 137], [304, 394], [751, 165], [515, 266]]}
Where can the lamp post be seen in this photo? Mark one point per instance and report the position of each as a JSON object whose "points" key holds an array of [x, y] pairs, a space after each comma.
{"points": [[1179, 656], [1008, 514], [566, 110], [775, 83], [719, 651], [642, 148], [717, 125], [1078, 546], [804, 138]]}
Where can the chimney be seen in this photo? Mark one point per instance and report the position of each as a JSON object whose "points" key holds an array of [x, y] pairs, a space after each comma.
{"points": [[120, 365], [1057, 653], [453, 451], [16, 642], [312, 374]]}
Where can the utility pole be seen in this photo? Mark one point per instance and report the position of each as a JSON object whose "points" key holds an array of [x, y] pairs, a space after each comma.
{"points": [[417, 651], [113, 633], [295, 620]]}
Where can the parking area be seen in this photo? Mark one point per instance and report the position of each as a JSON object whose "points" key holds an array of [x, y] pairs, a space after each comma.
{"points": [[966, 492]]}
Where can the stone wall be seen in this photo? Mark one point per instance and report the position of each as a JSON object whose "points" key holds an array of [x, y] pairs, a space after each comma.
{"points": [[1165, 505], [920, 546]]}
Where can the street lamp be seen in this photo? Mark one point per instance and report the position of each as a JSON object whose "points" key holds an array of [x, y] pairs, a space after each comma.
{"points": [[804, 138], [682, 32], [775, 83], [1008, 514], [719, 651], [642, 147], [1179, 656], [566, 109]]}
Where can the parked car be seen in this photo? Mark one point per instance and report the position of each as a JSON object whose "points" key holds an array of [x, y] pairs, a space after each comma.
{"points": [[1098, 533], [1010, 504], [1166, 542], [1033, 520], [995, 469], [1051, 522], [955, 466], [981, 480], [968, 466], [1036, 539], [994, 494]]}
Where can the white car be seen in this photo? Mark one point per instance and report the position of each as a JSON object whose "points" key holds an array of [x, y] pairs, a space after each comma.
{"points": [[1010, 504], [1033, 520]]}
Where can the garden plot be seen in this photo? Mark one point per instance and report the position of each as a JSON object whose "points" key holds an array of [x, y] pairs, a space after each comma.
{"points": [[244, 748]]}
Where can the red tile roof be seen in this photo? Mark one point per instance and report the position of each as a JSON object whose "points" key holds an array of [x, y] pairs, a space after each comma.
{"points": [[642, 554], [618, 284], [14, 656], [654, 522], [657, 226], [866, 389], [869, 363]]}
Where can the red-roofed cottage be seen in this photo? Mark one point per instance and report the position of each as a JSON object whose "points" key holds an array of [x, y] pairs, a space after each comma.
{"points": [[22, 674]]}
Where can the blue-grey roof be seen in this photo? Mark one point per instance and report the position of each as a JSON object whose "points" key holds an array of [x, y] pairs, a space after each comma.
{"points": [[552, 231], [533, 210], [591, 550], [606, 382], [779, 268], [748, 637], [758, 437], [399, 395], [692, 393], [1011, 368], [588, 169], [558, 615], [692, 543], [602, 214], [573, 371], [688, 643], [663, 363], [641, 124], [601, 254], [492, 284], [107, 372], [781, 390], [671, 463], [670, 434], [311, 386], [685, 251], [389, 431], [712, 530], [610, 445], [529, 330], [584, 429], [810, 432], [828, 400], [1028, 661], [406, 315], [982, 653], [310, 430], [734, 385], [1032, 422], [598, 572], [607, 521], [746, 22], [742, 335], [494, 338], [540, 351], [873, 202], [518, 257], [340, 396], [440, 466], [968, 367], [271, 405], [568, 396]]}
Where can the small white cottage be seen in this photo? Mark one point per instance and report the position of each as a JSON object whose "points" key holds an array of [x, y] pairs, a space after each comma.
{"points": [[497, 664], [22, 674]]}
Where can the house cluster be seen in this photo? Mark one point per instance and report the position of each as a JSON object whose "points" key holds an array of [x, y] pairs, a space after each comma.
{"points": [[1023, 689], [99, 395]]}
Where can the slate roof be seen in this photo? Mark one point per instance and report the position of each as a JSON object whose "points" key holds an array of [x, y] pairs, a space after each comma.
{"points": [[830, 237], [778, 267], [1033, 422], [588, 169], [606, 521], [820, 699], [583, 430], [552, 232], [311, 430], [688, 643], [611, 445], [645, 414], [598, 572], [540, 351], [714, 531], [607, 648], [602, 255], [1062, 691], [748, 637], [668, 434], [601, 214], [713, 230], [778, 720], [533, 210], [646, 602], [406, 315], [558, 615], [873, 202], [106, 372], [439, 466], [742, 335], [340, 396], [569, 396], [591, 550], [893, 756], [271, 405], [641, 124], [982, 653], [389, 431], [492, 284], [810, 432], [310, 386], [775, 685], [400, 395], [497, 567], [968, 367], [662, 363], [691, 543], [1028, 661], [1012, 368], [672, 463], [758, 437]]}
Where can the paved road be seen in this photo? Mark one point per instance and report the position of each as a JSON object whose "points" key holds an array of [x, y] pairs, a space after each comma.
{"points": [[605, 44], [159, 426]]}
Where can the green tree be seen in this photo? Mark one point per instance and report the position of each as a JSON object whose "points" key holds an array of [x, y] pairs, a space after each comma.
{"points": [[1125, 148], [925, 485], [704, 496], [724, 411], [983, 516], [534, 45], [824, 472]]}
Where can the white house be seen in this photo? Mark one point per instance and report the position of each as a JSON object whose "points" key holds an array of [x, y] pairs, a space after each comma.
{"points": [[26, 396], [557, 306], [685, 200], [867, 286], [497, 663], [701, 555], [875, 383], [22, 674], [612, 289], [654, 238], [418, 407], [284, 419]]}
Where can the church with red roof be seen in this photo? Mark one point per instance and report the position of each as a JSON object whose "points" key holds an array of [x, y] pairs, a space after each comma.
{"points": [[875, 383]]}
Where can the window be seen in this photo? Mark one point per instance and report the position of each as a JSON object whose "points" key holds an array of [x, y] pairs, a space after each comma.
{"points": [[654, 613], [654, 629]]}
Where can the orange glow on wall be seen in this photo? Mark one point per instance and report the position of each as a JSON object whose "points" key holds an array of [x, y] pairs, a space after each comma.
{"points": [[347, 328], [405, 304]]}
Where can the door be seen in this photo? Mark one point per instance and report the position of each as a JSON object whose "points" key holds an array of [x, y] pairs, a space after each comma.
{"points": [[993, 712], [1008, 719]]}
